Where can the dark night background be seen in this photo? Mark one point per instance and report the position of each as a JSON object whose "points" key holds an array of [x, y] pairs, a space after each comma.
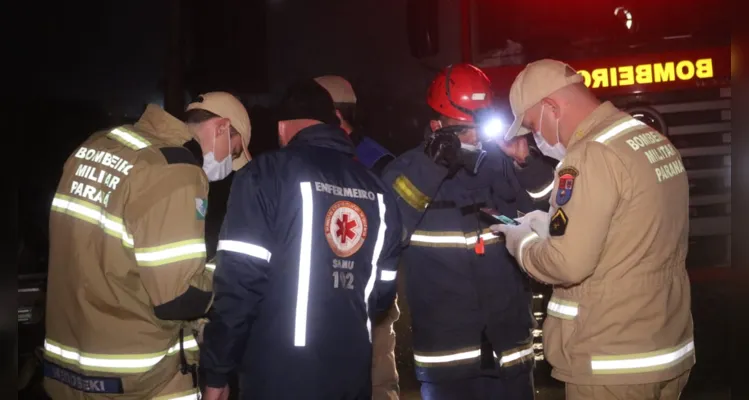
{"points": [[78, 67]]}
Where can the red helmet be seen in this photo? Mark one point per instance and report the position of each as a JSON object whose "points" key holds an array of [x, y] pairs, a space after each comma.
{"points": [[470, 90]]}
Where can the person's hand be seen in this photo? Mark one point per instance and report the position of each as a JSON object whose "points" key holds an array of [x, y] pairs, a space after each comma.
{"points": [[514, 234], [212, 393], [539, 222], [444, 149], [516, 148]]}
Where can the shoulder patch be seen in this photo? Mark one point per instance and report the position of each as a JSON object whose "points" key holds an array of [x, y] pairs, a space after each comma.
{"points": [[558, 223], [345, 228], [178, 155], [566, 183], [201, 208]]}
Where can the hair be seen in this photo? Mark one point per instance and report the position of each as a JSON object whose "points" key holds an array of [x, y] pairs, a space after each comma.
{"points": [[199, 115], [348, 112]]}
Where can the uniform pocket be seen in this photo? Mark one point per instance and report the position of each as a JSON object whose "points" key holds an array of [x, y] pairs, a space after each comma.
{"points": [[564, 318]]}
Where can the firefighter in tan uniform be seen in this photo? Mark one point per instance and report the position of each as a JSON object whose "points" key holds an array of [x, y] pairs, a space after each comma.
{"points": [[613, 244], [127, 253]]}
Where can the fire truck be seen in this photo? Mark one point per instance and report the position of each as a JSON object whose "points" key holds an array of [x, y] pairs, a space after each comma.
{"points": [[666, 62]]}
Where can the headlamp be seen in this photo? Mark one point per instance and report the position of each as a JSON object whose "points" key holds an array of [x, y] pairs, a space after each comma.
{"points": [[489, 124]]}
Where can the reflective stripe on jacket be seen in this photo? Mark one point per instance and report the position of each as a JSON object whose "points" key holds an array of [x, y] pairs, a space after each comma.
{"points": [[620, 312], [127, 255]]}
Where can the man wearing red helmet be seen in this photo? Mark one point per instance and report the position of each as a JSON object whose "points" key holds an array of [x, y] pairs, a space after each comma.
{"points": [[470, 305]]}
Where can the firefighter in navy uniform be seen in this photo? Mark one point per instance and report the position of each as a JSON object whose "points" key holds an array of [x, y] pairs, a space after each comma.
{"points": [[307, 256], [470, 306], [127, 253], [376, 158]]}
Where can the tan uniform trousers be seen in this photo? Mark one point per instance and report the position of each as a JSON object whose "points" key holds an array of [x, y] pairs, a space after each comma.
{"points": [[384, 372], [669, 390]]}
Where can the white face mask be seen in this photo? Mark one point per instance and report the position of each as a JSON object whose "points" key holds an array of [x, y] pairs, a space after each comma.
{"points": [[217, 170], [557, 151]]}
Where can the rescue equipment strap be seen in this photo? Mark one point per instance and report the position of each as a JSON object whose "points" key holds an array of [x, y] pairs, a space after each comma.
{"points": [[184, 367]]}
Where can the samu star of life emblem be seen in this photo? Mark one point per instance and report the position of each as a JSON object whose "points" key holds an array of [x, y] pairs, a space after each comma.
{"points": [[345, 228]]}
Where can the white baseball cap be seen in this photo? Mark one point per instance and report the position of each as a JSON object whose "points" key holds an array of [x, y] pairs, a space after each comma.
{"points": [[225, 105], [537, 80], [339, 88]]}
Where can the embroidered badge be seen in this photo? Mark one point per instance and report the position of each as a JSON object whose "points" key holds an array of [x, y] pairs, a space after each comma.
{"points": [[201, 208], [345, 228], [567, 177], [558, 223]]}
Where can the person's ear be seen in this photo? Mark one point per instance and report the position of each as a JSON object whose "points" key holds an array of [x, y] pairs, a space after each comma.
{"points": [[435, 125], [224, 127], [340, 117], [282, 132], [552, 106]]}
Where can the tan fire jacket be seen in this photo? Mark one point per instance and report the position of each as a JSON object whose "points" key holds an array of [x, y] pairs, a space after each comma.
{"points": [[616, 251], [127, 261]]}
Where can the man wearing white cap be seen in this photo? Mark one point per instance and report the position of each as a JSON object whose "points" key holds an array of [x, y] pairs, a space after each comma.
{"points": [[227, 115], [127, 271], [619, 323]]}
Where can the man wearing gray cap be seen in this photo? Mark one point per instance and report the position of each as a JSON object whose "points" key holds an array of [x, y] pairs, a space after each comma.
{"points": [[619, 322]]}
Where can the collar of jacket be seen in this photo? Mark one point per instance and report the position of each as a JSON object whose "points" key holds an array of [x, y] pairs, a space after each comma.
{"points": [[326, 136], [603, 111], [356, 137], [163, 125]]}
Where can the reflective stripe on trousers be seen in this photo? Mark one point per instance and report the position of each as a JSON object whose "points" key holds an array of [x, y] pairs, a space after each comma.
{"points": [[470, 355]]}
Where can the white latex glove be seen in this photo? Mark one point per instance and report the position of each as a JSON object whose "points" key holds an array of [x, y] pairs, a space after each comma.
{"points": [[514, 234], [539, 222]]}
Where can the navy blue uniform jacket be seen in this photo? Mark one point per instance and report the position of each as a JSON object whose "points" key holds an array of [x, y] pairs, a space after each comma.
{"points": [[307, 255], [469, 301]]}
